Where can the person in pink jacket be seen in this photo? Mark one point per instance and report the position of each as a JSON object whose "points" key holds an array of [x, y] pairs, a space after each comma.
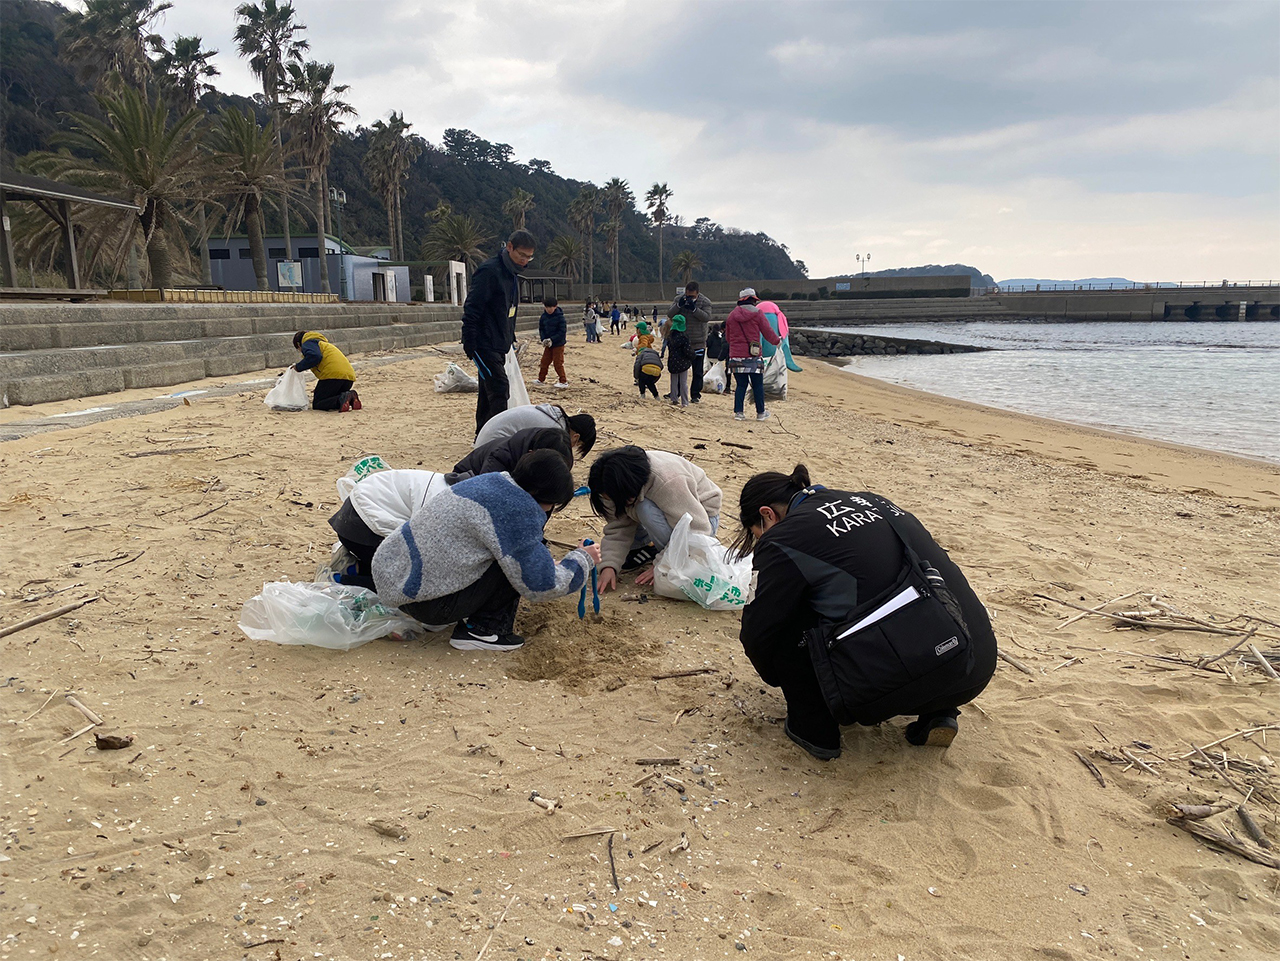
{"points": [[743, 329]]}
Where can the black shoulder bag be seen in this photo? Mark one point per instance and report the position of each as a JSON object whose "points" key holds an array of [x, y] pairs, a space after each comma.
{"points": [[902, 648]]}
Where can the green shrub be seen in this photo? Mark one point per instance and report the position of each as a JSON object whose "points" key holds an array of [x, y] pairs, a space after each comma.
{"points": [[813, 295], [823, 293], [797, 296]]}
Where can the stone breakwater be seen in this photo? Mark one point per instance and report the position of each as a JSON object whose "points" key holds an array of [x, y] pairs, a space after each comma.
{"points": [[824, 343]]}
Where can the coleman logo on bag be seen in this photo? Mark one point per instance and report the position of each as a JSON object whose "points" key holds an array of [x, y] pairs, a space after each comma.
{"points": [[946, 646]]}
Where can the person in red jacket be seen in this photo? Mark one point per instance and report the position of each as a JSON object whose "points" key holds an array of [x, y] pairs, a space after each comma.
{"points": [[743, 329]]}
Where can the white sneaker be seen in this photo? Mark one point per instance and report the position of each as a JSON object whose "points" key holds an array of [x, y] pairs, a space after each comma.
{"points": [[739, 416], [562, 384], [541, 383], [763, 415]]}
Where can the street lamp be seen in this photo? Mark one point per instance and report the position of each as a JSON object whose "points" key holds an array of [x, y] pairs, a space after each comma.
{"points": [[339, 199], [867, 261], [858, 258]]}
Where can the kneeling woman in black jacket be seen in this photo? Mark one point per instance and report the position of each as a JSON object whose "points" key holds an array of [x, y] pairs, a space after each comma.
{"points": [[831, 563]]}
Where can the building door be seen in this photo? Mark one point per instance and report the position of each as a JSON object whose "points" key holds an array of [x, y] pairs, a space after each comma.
{"points": [[379, 285]]}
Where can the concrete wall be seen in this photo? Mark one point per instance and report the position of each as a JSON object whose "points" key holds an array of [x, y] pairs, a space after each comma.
{"points": [[727, 290], [1161, 303]]}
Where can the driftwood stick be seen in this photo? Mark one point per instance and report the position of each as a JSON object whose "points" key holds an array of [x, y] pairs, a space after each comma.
{"points": [[1198, 812], [1203, 831], [594, 832], [1232, 649], [208, 512], [71, 737], [1138, 622], [126, 563], [613, 868], [1093, 768], [1138, 761], [41, 618], [1010, 659], [1231, 737], [648, 777], [171, 450], [1252, 828], [1267, 669], [1220, 770], [657, 760], [1094, 610], [46, 704], [695, 673], [501, 918], [90, 715]]}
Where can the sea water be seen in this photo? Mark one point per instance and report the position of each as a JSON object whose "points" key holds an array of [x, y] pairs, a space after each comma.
{"points": [[1213, 385]]}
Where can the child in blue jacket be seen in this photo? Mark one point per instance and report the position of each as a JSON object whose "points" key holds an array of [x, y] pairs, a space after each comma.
{"points": [[552, 331]]}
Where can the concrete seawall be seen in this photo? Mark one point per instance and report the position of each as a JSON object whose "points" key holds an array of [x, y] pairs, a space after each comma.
{"points": [[822, 343]]}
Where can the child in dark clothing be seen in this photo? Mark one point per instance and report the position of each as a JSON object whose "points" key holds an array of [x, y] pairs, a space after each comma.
{"points": [[647, 370], [679, 360]]}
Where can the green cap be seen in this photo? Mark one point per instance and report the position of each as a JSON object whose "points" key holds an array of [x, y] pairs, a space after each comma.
{"points": [[677, 322]]}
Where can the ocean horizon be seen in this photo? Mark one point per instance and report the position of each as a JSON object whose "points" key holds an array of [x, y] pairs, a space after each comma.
{"points": [[1213, 385]]}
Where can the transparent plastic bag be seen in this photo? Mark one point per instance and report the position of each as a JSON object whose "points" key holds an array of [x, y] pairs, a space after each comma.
{"points": [[455, 380], [336, 616], [289, 393], [517, 393], [698, 566], [715, 378]]}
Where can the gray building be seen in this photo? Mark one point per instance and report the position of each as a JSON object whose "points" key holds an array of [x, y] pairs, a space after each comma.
{"points": [[352, 276]]}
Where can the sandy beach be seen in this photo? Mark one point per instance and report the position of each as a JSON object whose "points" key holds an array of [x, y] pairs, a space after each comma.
{"points": [[238, 822]]}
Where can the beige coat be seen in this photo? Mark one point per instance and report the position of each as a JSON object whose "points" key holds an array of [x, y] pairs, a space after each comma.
{"points": [[676, 487]]}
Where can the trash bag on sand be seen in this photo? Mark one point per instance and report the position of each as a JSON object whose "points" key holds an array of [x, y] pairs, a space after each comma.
{"points": [[336, 616], [698, 566], [455, 380], [517, 393], [775, 376], [715, 379], [289, 393]]}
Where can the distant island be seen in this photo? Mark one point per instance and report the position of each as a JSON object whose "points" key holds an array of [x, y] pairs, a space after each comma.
{"points": [[929, 270]]}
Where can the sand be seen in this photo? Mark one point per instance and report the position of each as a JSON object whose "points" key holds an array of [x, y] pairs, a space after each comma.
{"points": [[237, 823]]}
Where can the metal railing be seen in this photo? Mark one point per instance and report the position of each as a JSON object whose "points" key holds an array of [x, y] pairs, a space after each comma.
{"points": [[1160, 285]]}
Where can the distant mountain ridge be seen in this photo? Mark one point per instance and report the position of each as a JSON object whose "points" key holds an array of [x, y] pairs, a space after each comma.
{"points": [[929, 270]]}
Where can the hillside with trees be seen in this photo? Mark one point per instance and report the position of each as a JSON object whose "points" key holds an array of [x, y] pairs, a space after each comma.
{"points": [[94, 97]]}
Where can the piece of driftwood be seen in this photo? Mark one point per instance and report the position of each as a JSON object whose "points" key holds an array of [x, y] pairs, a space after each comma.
{"points": [[1231, 737], [594, 832], [657, 760], [1198, 812], [1093, 768], [1252, 828], [1232, 649], [1226, 841], [1140, 622], [1138, 761], [1013, 661], [50, 698], [694, 673], [613, 868], [1267, 669], [50, 615], [1220, 770], [1094, 610], [729, 443], [89, 715], [172, 450], [71, 737], [501, 918]]}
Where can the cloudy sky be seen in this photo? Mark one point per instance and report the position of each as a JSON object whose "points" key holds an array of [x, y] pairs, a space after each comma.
{"points": [[1064, 140]]}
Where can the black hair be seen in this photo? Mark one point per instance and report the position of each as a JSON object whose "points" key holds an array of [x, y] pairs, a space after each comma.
{"points": [[297, 339], [584, 425], [553, 438], [619, 476], [770, 489], [522, 240], [550, 302], [691, 287], [545, 476]]}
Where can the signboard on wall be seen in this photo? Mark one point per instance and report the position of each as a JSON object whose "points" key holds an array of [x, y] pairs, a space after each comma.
{"points": [[840, 286], [289, 273]]}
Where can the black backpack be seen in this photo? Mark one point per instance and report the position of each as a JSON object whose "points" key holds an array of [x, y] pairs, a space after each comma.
{"points": [[902, 648]]}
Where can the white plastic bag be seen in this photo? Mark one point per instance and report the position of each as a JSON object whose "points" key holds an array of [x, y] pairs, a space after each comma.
{"points": [[455, 380], [775, 376], [697, 566], [359, 471], [715, 379], [289, 393], [336, 616], [517, 393]]}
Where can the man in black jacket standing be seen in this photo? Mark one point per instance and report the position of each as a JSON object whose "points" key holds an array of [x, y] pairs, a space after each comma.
{"points": [[489, 321]]}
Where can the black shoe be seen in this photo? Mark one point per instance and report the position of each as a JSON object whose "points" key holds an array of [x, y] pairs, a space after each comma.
{"points": [[933, 732], [467, 638], [821, 753], [639, 557]]}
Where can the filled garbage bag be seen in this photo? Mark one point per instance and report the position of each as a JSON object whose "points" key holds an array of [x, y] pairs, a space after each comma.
{"points": [[336, 616]]}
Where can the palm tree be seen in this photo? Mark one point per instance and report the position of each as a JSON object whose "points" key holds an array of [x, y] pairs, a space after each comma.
{"points": [[249, 161], [392, 150], [565, 253], [520, 203], [317, 114], [684, 264], [267, 35], [137, 154], [611, 228], [184, 70], [455, 237], [582, 215], [656, 202], [617, 199], [109, 41]]}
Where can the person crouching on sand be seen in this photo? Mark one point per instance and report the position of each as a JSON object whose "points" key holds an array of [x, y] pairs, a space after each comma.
{"points": [[822, 558], [642, 495], [334, 373], [475, 549]]}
